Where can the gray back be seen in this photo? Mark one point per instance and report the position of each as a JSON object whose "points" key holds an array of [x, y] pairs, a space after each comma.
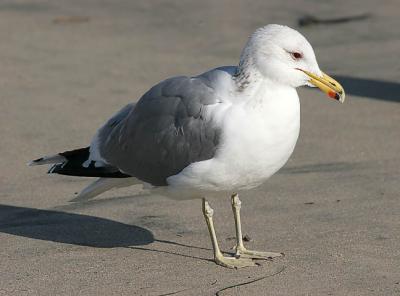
{"points": [[164, 132]]}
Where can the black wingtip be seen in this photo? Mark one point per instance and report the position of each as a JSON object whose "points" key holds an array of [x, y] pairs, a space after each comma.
{"points": [[53, 168]]}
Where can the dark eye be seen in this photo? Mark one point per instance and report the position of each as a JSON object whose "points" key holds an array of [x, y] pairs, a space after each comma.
{"points": [[296, 55]]}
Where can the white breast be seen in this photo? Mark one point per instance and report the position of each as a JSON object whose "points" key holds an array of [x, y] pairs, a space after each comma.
{"points": [[258, 138]]}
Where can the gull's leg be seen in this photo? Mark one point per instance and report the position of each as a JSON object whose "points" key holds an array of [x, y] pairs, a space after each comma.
{"points": [[241, 251], [231, 262]]}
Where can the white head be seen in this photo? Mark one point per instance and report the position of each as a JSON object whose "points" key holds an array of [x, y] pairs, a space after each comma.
{"points": [[283, 55]]}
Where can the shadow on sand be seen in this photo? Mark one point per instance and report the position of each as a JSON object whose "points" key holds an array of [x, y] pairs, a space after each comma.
{"points": [[82, 230], [370, 88], [71, 228]]}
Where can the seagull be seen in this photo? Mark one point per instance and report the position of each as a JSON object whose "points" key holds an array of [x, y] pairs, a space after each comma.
{"points": [[221, 132]]}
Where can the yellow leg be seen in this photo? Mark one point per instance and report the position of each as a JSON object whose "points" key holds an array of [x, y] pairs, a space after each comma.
{"points": [[230, 262], [241, 251]]}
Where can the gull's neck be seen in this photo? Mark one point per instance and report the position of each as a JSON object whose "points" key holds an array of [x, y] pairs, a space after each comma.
{"points": [[247, 75]]}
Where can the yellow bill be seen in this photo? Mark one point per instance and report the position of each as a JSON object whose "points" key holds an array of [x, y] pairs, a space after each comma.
{"points": [[328, 85]]}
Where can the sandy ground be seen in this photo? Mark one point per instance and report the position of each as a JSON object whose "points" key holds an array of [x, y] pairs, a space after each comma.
{"points": [[333, 210]]}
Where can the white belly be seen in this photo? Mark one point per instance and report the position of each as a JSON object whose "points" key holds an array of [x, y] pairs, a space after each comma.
{"points": [[256, 142]]}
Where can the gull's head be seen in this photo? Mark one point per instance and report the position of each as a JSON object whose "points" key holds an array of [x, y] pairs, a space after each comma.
{"points": [[283, 55]]}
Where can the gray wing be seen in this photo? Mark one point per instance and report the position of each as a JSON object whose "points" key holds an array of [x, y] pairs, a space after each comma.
{"points": [[164, 132]]}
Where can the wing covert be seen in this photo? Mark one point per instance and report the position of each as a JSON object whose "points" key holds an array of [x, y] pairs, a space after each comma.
{"points": [[165, 131]]}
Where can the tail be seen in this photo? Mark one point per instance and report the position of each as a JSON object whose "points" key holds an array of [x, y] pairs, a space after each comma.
{"points": [[102, 185], [75, 163], [72, 163]]}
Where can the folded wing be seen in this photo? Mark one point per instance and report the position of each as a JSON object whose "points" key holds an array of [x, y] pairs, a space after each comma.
{"points": [[167, 130]]}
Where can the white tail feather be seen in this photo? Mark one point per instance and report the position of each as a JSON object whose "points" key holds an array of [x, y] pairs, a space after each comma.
{"points": [[102, 185]]}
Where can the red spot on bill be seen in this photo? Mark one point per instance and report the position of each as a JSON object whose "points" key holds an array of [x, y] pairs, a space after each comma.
{"points": [[332, 94]]}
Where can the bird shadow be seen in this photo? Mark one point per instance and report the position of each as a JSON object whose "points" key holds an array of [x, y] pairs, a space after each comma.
{"points": [[370, 88], [70, 228], [82, 230]]}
